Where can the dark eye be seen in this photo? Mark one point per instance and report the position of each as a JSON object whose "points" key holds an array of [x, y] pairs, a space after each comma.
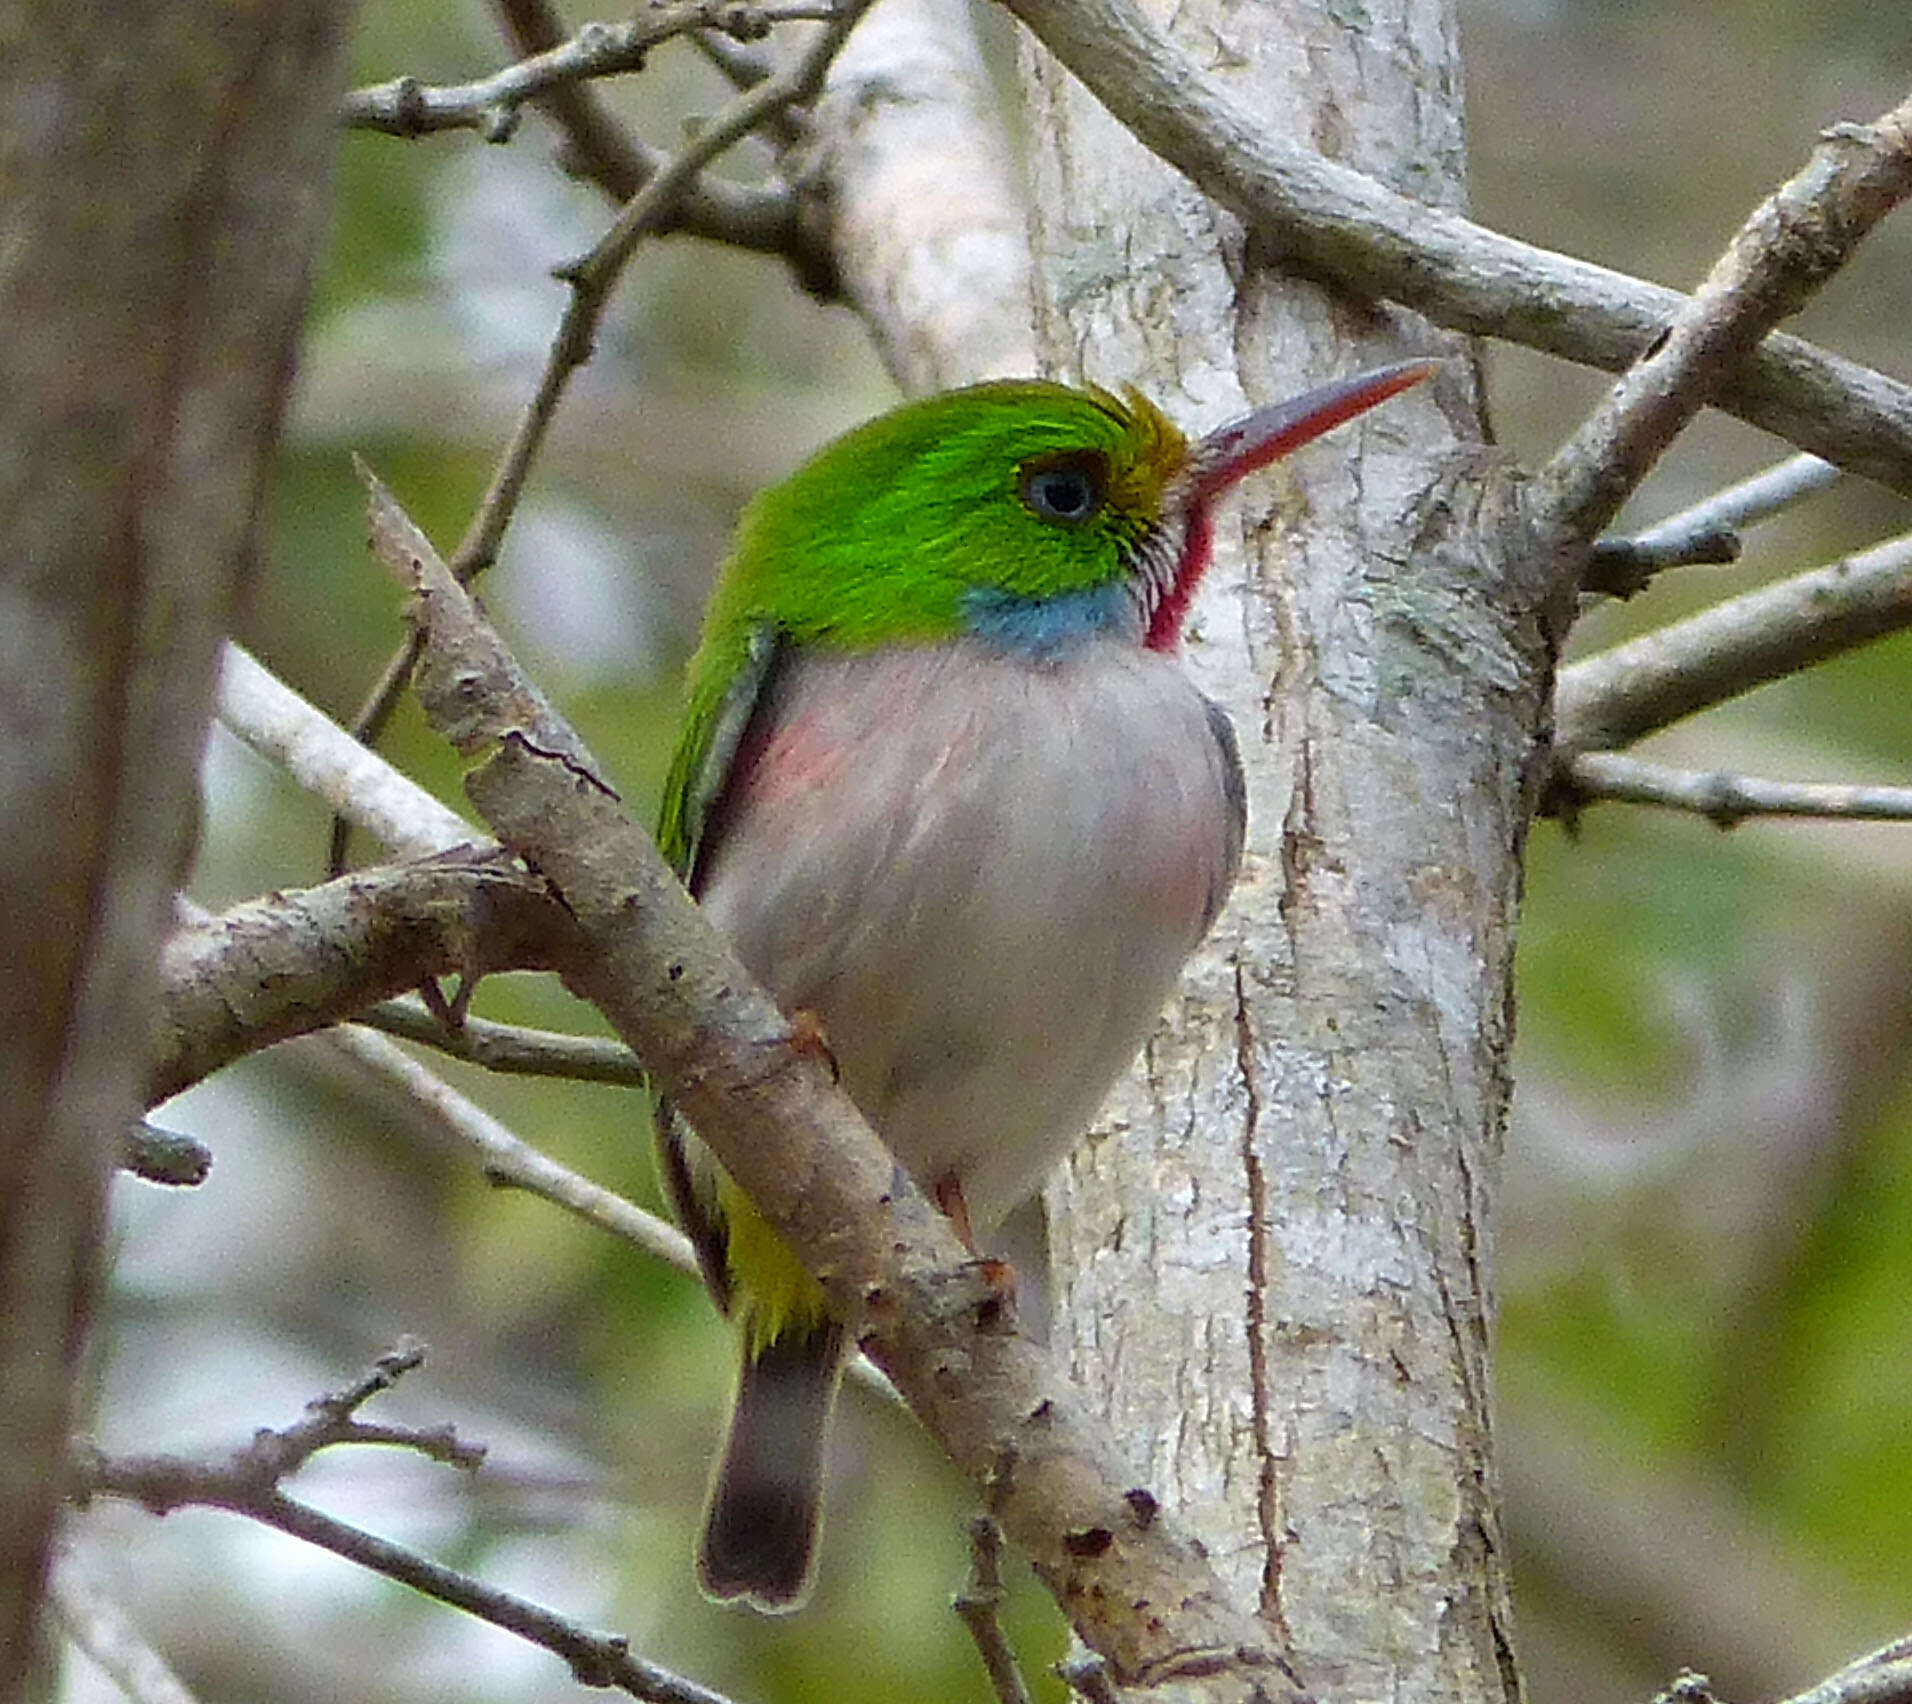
{"points": [[1067, 487]]}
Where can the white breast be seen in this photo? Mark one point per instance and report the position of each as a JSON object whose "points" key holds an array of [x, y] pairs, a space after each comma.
{"points": [[982, 873]]}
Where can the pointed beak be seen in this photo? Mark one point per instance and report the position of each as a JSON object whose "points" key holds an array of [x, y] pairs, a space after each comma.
{"points": [[1244, 445]]}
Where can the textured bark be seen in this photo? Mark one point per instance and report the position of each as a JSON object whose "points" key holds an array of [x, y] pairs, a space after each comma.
{"points": [[926, 228], [164, 192], [1273, 1263]]}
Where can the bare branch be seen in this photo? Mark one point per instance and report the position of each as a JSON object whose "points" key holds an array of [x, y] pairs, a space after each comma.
{"points": [[511, 1049], [492, 105], [165, 1156], [246, 1482], [1619, 567], [928, 228], [462, 1126], [977, 1603], [1883, 1677], [1709, 531], [1726, 800], [1745, 504], [1618, 696], [292, 962], [746, 66], [773, 1113], [1327, 219], [594, 275], [597, 147], [592, 278], [454, 1123], [326, 761], [1795, 241], [102, 1629]]}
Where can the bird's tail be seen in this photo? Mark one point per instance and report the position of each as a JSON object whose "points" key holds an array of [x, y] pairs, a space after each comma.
{"points": [[760, 1526]]}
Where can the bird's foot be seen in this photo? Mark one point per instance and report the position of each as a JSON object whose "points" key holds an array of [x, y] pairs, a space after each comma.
{"points": [[807, 1036], [998, 1276], [948, 1195]]}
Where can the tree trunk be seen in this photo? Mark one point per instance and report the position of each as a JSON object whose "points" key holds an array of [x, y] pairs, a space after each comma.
{"points": [[165, 189], [1273, 1263]]}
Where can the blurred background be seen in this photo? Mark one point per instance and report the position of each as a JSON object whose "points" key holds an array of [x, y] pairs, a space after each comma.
{"points": [[1706, 1343]]}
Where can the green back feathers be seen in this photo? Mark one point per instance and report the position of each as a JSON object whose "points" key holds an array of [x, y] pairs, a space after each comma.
{"points": [[885, 536]]}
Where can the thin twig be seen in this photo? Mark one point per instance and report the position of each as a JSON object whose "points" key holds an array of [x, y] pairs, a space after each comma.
{"points": [[326, 761], [165, 1156], [1621, 694], [461, 1124], [246, 1482], [592, 279], [1725, 800], [977, 1605], [597, 148], [453, 1121], [1709, 531], [1792, 245], [512, 1049], [1619, 567], [102, 1629], [370, 722], [593, 276], [492, 105], [1338, 224], [1883, 1676], [1745, 504]]}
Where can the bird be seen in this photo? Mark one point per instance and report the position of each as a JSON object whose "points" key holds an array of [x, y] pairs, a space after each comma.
{"points": [[943, 781]]}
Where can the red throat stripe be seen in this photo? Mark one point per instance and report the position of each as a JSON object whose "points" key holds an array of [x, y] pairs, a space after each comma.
{"points": [[1243, 447]]}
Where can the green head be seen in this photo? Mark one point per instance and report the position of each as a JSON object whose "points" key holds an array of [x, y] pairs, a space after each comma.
{"points": [[977, 509], [908, 526]]}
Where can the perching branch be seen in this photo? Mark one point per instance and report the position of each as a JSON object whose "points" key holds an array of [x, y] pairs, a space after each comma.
{"points": [[772, 1112], [1795, 241], [246, 1481], [1726, 800], [1628, 691], [1329, 220]]}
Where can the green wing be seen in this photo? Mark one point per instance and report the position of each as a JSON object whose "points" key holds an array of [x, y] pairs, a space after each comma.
{"points": [[726, 680], [727, 677]]}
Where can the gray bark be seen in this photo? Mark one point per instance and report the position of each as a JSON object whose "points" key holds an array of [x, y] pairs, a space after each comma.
{"points": [[164, 177], [1273, 1262]]}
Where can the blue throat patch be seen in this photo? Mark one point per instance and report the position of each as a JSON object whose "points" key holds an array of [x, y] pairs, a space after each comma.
{"points": [[1044, 628]]}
